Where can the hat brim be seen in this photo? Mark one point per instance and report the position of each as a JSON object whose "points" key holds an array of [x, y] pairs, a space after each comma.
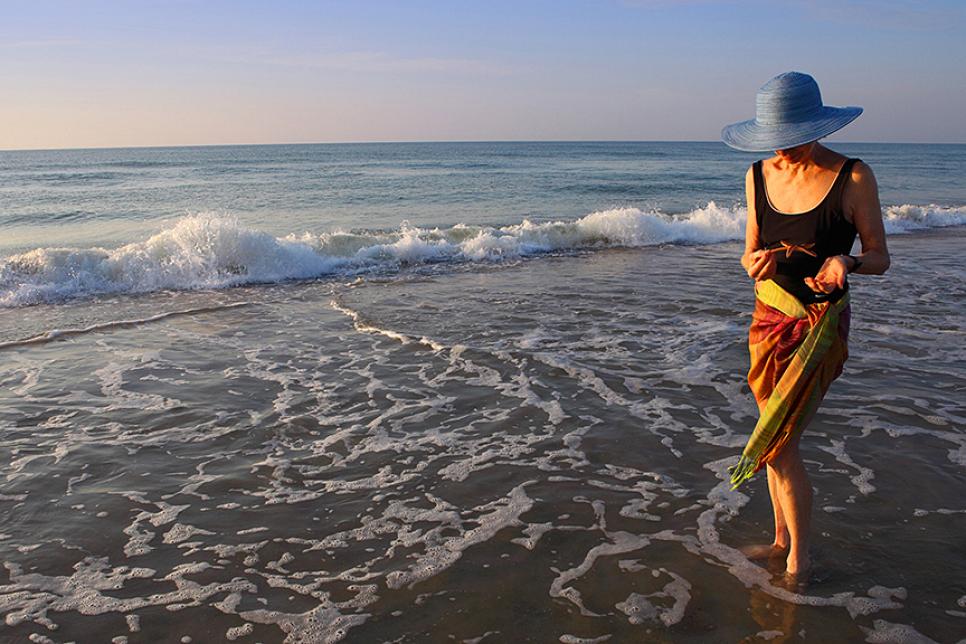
{"points": [[751, 136]]}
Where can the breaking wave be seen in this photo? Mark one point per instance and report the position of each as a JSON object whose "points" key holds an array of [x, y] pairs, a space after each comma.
{"points": [[907, 218], [213, 251]]}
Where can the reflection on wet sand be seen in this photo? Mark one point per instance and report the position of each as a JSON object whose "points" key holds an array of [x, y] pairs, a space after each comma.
{"points": [[775, 618]]}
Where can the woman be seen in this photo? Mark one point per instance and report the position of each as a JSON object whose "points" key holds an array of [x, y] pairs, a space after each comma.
{"points": [[805, 206]]}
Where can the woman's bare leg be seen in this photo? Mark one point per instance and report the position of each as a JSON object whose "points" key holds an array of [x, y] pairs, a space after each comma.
{"points": [[794, 492], [780, 543], [781, 527], [779, 546]]}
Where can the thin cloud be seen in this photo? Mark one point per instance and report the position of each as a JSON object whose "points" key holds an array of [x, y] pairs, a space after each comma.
{"points": [[380, 63], [660, 3], [890, 14], [641, 4], [41, 44]]}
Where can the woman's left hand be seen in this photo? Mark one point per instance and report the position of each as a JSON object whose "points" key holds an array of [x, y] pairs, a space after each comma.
{"points": [[831, 276]]}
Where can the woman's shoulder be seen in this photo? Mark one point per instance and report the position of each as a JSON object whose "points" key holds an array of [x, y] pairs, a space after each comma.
{"points": [[860, 174], [860, 167]]}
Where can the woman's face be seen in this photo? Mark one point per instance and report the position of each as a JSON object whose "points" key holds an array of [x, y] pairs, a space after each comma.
{"points": [[796, 154]]}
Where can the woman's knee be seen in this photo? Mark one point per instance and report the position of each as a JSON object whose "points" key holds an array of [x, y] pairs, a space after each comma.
{"points": [[786, 461]]}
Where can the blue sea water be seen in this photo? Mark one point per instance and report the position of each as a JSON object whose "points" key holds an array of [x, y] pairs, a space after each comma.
{"points": [[478, 392], [344, 208]]}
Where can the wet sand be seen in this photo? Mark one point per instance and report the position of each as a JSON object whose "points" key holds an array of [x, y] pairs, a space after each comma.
{"points": [[526, 452]]}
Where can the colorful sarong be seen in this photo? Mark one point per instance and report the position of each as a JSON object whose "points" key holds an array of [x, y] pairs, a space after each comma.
{"points": [[797, 351]]}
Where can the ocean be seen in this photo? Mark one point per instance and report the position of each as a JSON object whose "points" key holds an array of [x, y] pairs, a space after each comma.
{"points": [[471, 392]]}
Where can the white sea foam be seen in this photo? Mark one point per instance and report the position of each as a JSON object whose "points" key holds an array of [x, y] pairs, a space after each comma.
{"points": [[884, 631], [210, 251], [908, 218], [640, 609], [214, 251]]}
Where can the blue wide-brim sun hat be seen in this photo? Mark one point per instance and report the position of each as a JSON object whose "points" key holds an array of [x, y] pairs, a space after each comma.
{"points": [[789, 112]]}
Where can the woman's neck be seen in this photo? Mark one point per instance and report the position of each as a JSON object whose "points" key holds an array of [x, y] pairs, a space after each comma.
{"points": [[804, 159]]}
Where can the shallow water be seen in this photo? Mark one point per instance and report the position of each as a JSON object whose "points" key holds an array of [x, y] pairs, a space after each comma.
{"points": [[527, 452]]}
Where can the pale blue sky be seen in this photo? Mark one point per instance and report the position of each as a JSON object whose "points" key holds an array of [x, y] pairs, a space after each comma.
{"points": [[80, 74]]}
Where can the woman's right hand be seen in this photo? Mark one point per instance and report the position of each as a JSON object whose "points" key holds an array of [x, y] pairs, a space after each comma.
{"points": [[761, 265]]}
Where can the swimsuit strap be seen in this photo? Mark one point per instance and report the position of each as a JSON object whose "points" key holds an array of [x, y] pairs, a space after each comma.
{"points": [[834, 197], [761, 202]]}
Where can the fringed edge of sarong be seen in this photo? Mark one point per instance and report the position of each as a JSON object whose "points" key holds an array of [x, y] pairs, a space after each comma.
{"points": [[742, 471]]}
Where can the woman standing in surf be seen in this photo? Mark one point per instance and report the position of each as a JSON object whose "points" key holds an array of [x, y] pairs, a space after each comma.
{"points": [[805, 206]]}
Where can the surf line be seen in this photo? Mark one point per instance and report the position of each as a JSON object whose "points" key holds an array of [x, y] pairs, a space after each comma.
{"points": [[58, 334], [364, 327]]}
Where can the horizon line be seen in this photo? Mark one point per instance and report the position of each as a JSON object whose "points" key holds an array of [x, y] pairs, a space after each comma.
{"points": [[429, 141]]}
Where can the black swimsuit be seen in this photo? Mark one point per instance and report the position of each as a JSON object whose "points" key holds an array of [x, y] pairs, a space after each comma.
{"points": [[823, 230]]}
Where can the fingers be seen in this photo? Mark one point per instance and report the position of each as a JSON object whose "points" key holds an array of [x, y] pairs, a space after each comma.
{"points": [[762, 265], [831, 276], [818, 285], [835, 270], [753, 264], [764, 253]]}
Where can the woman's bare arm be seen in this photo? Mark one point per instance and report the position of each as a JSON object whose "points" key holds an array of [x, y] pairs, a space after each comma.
{"points": [[862, 204], [759, 264]]}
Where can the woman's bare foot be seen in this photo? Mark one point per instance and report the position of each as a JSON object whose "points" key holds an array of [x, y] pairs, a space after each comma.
{"points": [[763, 551]]}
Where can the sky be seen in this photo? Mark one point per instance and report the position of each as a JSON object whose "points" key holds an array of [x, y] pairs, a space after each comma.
{"points": [[184, 72]]}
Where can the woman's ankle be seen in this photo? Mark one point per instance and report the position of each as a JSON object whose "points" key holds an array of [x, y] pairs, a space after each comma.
{"points": [[798, 561]]}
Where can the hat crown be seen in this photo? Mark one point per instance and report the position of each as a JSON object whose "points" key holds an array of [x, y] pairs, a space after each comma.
{"points": [[791, 97]]}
